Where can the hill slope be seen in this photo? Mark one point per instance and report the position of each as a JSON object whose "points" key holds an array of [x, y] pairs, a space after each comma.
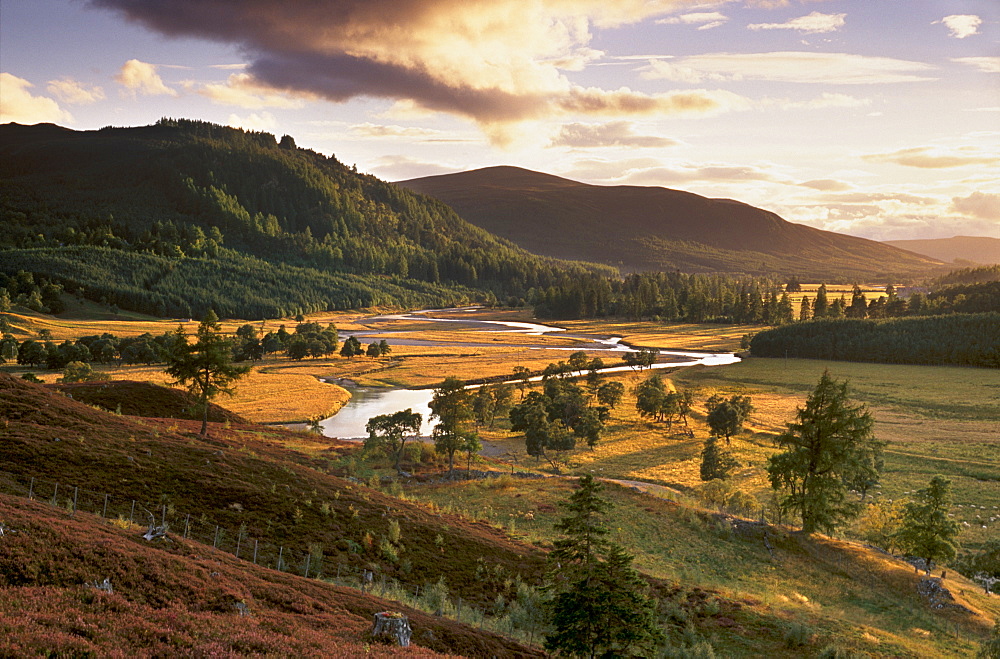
{"points": [[978, 249], [155, 218], [651, 228]]}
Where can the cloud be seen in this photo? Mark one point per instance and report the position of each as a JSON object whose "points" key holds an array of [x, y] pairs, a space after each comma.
{"points": [[264, 121], [814, 23], [651, 171], [979, 204], [824, 100], [412, 133], [704, 20], [401, 168], [498, 62], [70, 91], [142, 78], [243, 90], [616, 133], [789, 66], [961, 26], [984, 64], [17, 104], [827, 185], [925, 157]]}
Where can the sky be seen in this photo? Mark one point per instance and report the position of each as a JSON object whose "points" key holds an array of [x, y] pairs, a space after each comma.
{"points": [[875, 118]]}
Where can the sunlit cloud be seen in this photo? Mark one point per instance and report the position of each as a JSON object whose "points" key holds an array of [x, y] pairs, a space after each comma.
{"points": [[401, 168], [652, 171], [73, 92], [827, 185], [984, 64], [411, 133], [264, 121], [19, 105], [793, 66], [961, 26], [814, 23], [243, 90], [926, 157], [612, 134], [495, 63], [705, 20], [141, 78], [979, 204], [823, 101]]}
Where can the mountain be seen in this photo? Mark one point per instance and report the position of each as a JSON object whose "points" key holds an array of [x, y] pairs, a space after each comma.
{"points": [[651, 228], [974, 249], [180, 216]]}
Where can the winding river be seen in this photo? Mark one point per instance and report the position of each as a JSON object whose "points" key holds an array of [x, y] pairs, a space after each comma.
{"points": [[366, 402]]}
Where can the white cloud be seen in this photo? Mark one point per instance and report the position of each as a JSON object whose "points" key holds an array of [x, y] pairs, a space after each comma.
{"points": [[264, 121], [824, 100], [789, 66], [984, 64], [17, 104], [612, 134], [142, 78], [814, 23], [704, 20], [73, 92], [243, 90], [961, 26]]}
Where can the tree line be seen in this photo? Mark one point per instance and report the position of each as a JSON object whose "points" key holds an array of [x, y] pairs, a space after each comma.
{"points": [[963, 339]]}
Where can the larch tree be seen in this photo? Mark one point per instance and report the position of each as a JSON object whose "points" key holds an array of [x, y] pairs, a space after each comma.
{"points": [[452, 406], [828, 448], [205, 366]]}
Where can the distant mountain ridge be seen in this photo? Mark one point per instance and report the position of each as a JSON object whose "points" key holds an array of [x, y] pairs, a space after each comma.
{"points": [[652, 228], [975, 249]]}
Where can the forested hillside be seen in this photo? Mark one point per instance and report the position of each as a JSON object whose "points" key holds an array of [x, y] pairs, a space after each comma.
{"points": [[183, 215]]}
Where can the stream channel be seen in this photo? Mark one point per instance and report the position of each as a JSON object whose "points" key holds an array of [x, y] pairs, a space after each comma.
{"points": [[366, 402]]}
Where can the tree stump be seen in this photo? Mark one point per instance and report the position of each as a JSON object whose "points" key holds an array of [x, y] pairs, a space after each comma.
{"points": [[392, 627]]}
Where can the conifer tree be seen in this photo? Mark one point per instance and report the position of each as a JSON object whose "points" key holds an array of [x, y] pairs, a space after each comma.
{"points": [[926, 531], [206, 366], [716, 462], [600, 608], [828, 448]]}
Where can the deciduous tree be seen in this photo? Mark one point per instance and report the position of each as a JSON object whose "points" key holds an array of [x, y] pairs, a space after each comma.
{"points": [[391, 431]]}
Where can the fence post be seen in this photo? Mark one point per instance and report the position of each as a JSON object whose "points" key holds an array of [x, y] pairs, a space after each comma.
{"points": [[163, 517], [131, 514], [281, 551], [55, 495], [187, 521], [31, 489], [239, 539], [105, 513], [459, 615], [215, 542], [255, 551], [308, 559], [76, 492]]}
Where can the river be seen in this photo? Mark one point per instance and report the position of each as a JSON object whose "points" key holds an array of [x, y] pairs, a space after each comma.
{"points": [[366, 402]]}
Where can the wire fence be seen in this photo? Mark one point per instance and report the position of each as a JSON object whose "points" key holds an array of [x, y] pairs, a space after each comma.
{"points": [[157, 520]]}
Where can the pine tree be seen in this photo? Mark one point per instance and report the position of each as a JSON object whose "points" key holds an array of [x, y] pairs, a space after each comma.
{"points": [[600, 609], [828, 449], [206, 365], [926, 531]]}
